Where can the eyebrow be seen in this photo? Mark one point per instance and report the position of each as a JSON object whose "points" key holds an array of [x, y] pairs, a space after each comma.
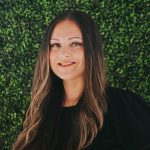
{"points": [[68, 39]]}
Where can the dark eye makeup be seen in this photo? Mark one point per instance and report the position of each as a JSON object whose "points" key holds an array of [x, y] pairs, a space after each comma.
{"points": [[72, 44], [55, 45], [76, 44]]}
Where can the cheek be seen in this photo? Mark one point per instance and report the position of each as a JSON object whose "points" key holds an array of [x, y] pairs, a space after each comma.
{"points": [[51, 59], [83, 61], [82, 58]]}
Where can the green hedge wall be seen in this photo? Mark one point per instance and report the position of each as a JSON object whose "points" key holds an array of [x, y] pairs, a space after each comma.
{"points": [[125, 29]]}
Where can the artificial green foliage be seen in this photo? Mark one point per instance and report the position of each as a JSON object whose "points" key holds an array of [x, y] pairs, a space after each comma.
{"points": [[125, 29]]}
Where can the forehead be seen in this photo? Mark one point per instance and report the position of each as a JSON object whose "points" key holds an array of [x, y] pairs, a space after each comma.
{"points": [[66, 28]]}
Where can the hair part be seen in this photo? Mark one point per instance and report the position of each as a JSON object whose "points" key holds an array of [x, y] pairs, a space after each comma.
{"points": [[42, 116]]}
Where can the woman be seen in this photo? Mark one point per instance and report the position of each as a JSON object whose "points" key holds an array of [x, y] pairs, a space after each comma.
{"points": [[71, 106]]}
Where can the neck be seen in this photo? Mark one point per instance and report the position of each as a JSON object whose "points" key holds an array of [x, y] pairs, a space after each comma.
{"points": [[73, 90]]}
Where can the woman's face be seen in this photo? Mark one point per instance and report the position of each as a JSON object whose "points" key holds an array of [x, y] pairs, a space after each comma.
{"points": [[67, 51]]}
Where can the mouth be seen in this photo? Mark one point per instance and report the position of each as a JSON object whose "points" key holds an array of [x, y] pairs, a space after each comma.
{"points": [[66, 64]]}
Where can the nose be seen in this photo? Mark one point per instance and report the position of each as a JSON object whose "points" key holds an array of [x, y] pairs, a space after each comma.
{"points": [[64, 52]]}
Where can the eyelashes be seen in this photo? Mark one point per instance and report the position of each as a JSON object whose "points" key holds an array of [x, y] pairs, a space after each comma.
{"points": [[74, 44], [55, 45]]}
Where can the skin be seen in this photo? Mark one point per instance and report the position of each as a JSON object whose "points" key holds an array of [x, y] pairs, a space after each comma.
{"points": [[67, 46]]}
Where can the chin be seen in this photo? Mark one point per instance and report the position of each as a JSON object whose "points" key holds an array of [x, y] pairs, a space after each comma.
{"points": [[65, 78]]}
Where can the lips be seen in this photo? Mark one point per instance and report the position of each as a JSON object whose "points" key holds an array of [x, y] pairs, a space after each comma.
{"points": [[66, 64]]}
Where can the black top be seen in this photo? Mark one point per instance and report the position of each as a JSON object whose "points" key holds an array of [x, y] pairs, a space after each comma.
{"points": [[126, 124]]}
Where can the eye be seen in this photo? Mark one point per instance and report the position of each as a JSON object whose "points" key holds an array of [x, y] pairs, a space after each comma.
{"points": [[76, 44], [55, 45]]}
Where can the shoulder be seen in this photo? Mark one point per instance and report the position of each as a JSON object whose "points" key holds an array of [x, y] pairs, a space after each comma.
{"points": [[129, 116], [114, 92], [118, 95], [125, 101]]}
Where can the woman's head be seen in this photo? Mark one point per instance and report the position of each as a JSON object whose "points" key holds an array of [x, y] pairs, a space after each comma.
{"points": [[67, 51], [91, 40], [42, 117]]}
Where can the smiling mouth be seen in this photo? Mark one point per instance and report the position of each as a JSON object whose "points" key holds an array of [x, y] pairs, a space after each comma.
{"points": [[66, 64]]}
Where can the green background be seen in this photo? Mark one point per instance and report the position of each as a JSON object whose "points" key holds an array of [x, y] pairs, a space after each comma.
{"points": [[125, 29]]}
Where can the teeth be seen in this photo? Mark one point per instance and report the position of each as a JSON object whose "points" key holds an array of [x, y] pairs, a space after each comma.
{"points": [[66, 63]]}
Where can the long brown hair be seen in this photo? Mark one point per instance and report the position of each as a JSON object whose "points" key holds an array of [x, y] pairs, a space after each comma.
{"points": [[40, 128]]}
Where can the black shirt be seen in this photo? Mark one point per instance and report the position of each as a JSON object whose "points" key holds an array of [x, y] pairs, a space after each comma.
{"points": [[126, 124]]}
